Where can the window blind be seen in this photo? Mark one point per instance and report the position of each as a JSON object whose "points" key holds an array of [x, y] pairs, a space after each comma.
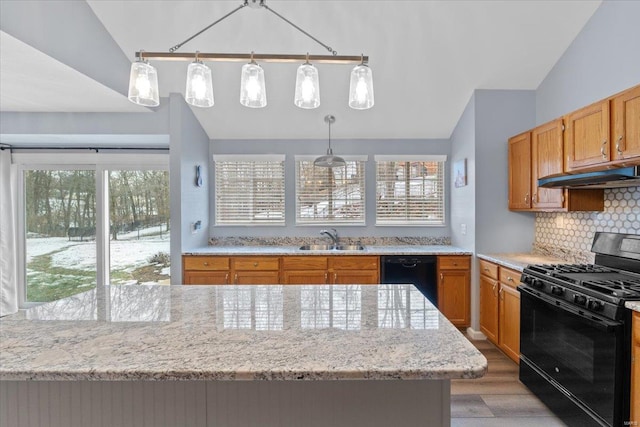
{"points": [[410, 191], [249, 190], [330, 195]]}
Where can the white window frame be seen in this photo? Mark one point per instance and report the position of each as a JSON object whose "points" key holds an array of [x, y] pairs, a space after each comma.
{"points": [[336, 221], [101, 163], [249, 158], [408, 221]]}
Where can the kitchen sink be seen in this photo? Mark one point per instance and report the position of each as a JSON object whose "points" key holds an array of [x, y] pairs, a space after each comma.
{"points": [[331, 248]]}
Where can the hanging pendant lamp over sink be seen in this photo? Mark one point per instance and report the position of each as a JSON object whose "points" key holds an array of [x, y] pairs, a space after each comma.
{"points": [[329, 160]]}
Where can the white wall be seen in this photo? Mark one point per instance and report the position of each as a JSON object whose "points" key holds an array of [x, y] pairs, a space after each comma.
{"points": [[603, 59]]}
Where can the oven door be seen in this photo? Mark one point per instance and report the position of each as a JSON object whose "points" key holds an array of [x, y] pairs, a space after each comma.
{"points": [[579, 353]]}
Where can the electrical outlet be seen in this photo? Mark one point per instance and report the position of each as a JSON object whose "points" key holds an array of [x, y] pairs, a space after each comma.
{"points": [[463, 229]]}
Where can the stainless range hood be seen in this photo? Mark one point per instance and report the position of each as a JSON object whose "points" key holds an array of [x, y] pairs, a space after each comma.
{"points": [[612, 178]]}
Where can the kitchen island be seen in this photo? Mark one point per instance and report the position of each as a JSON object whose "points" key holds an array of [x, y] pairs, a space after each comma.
{"points": [[272, 355]]}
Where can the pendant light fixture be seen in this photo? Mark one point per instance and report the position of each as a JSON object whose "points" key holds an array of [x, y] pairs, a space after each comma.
{"points": [[143, 80], [253, 92], [199, 91], [329, 160], [143, 84], [361, 87], [307, 94]]}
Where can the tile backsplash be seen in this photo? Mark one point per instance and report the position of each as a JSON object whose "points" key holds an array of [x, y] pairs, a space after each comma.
{"points": [[569, 235]]}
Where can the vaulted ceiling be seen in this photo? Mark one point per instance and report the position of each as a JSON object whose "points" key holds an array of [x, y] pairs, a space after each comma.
{"points": [[427, 58]]}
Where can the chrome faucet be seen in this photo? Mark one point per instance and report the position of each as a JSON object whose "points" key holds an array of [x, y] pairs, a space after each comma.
{"points": [[332, 234]]}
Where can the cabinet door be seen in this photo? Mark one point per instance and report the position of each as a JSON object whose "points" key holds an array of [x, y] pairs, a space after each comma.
{"points": [[453, 296], [546, 161], [626, 125], [355, 277], [256, 277], [520, 172], [305, 277], [587, 137], [509, 329], [206, 277], [489, 308]]}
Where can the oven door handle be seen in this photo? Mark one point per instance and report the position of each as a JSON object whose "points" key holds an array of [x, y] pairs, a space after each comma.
{"points": [[593, 320]]}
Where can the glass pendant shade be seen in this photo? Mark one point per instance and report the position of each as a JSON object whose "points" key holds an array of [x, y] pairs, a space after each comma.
{"points": [[307, 87], [253, 92], [143, 84], [361, 88], [199, 91]]}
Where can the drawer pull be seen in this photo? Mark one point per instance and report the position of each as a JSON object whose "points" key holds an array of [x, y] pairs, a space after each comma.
{"points": [[486, 269], [510, 279], [206, 263], [255, 264]]}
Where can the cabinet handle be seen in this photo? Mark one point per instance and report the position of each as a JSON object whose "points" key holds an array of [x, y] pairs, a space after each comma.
{"points": [[509, 279], [486, 269], [441, 277], [501, 294], [604, 143], [494, 287], [206, 263], [534, 198], [326, 277], [618, 145], [235, 278], [526, 198], [226, 279], [335, 277]]}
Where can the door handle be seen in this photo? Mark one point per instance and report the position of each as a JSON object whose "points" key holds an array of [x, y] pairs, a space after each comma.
{"points": [[604, 155], [226, 279], [618, 150]]}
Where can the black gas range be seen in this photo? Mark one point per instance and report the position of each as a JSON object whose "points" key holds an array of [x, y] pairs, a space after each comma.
{"points": [[575, 333]]}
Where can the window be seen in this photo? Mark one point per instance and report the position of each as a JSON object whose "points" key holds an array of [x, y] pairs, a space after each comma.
{"points": [[410, 190], [330, 195], [249, 189], [92, 220]]}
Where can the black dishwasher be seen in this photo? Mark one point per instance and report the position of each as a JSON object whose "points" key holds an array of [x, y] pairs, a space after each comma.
{"points": [[418, 270]]}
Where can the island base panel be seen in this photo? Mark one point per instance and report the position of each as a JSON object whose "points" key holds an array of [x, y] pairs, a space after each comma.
{"points": [[349, 403]]}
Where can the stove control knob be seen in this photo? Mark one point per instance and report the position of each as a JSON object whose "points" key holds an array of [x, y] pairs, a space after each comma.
{"points": [[595, 305], [527, 280], [557, 290], [580, 299], [537, 283]]}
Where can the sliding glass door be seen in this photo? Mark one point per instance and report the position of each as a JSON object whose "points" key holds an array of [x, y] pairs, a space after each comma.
{"points": [[93, 225], [60, 232], [139, 226]]}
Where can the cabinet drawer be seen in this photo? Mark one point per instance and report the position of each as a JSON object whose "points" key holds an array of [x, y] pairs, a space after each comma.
{"points": [[256, 263], [454, 262], [210, 263], [353, 262], [304, 263], [488, 269], [510, 277]]}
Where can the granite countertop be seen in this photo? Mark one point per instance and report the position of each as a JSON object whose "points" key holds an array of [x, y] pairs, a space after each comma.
{"points": [[295, 250], [518, 261], [261, 332], [633, 305]]}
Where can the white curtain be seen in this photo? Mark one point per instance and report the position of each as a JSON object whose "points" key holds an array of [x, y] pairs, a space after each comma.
{"points": [[8, 235]]}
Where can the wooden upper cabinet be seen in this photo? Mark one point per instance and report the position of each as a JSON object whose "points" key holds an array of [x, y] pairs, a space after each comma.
{"points": [[587, 137], [625, 119], [547, 161], [520, 171]]}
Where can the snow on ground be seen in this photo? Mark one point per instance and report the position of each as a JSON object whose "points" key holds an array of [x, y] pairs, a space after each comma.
{"points": [[125, 254]]}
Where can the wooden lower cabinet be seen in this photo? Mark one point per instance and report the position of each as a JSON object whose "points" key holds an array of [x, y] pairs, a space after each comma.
{"points": [[205, 270], [509, 326], [310, 270], [489, 290], [635, 370], [453, 289], [500, 307], [206, 278]]}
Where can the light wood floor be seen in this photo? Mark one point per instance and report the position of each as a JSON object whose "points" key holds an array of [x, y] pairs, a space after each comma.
{"points": [[499, 398]]}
